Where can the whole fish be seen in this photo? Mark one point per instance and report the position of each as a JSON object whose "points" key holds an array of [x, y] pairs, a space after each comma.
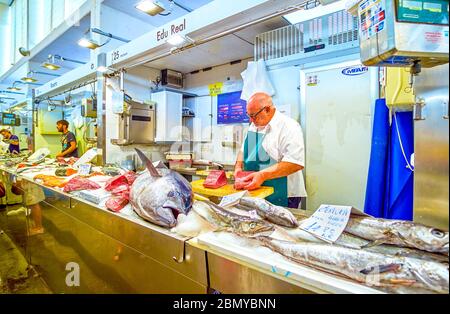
{"points": [[160, 195], [276, 214], [400, 233], [365, 267], [350, 241], [226, 220]]}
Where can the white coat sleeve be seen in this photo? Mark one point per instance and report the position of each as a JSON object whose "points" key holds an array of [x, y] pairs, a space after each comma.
{"points": [[292, 145]]}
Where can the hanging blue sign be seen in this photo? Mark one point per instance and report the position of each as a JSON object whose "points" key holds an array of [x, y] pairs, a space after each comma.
{"points": [[231, 108]]}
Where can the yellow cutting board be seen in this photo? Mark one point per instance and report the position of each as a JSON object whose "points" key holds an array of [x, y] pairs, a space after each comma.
{"points": [[197, 187]]}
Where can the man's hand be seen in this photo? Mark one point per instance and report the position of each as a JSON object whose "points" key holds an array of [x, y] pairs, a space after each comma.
{"points": [[236, 172], [239, 183], [255, 181], [59, 155]]}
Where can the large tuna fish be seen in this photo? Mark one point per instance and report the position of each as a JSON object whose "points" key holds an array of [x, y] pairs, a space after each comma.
{"points": [[160, 195]]}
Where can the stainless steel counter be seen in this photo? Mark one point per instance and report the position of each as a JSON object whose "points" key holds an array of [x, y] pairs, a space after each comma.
{"points": [[115, 254]]}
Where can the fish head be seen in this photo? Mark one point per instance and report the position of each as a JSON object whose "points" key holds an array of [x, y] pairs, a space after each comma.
{"points": [[287, 216], [181, 193], [254, 228], [170, 196], [433, 238], [166, 216]]}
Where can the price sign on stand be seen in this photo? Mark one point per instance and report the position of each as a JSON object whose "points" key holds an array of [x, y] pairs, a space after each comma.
{"points": [[329, 221], [84, 169]]}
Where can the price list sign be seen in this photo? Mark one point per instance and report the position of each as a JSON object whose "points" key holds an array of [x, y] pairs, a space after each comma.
{"points": [[231, 109], [328, 222]]}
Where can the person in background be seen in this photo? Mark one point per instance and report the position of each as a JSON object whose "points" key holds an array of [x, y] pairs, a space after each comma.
{"points": [[33, 195], [68, 140], [13, 141], [274, 150]]}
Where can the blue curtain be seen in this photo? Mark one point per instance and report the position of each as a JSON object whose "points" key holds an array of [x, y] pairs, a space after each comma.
{"points": [[399, 198], [389, 192], [376, 182]]}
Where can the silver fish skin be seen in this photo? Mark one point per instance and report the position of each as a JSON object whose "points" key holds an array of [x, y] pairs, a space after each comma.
{"points": [[354, 242], [365, 267], [230, 221], [275, 214], [159, 196], [205, 211], [400, 233]]}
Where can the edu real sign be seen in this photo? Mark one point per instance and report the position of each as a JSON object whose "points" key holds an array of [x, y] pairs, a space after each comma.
{"points": [[174, 29], [356, 70]]}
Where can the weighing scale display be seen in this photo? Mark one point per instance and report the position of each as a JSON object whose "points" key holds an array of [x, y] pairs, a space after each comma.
{"points": [[423, 11]]}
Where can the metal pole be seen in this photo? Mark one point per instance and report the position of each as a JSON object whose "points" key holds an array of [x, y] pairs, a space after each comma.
{"points": [[100, 32]]}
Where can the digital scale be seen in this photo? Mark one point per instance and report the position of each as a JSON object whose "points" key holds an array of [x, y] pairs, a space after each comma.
{"points": [[404, 32]]}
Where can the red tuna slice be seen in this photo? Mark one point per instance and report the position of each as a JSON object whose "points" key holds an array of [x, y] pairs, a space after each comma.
{"points": [[215, 179], [120, 189], [130, 176], [116, 204], [239, 180], [79, 183], [115, 182], [125, 194]]}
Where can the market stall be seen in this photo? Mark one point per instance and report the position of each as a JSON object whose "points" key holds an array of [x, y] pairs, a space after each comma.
{"points": [[79, 228], [156, 200]]}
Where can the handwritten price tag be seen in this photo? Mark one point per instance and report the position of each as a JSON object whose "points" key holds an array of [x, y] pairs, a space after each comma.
{"points": [[328, 222], [84, 169]]}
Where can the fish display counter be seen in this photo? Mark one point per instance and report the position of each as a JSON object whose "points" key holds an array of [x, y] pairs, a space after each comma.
{"points": [[260, 270], [115, 252], [250, 246], [257, 244]]}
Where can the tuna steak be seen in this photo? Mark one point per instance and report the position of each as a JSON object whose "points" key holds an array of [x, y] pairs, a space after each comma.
{"points": [[160, 195]]}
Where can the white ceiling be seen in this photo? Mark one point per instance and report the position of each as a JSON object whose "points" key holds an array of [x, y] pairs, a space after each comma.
{"points": [[67, 46], [220, 51], [128, 7]]}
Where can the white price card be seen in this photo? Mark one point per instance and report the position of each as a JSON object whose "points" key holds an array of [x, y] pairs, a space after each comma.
{"points": [[233, 199], [329, 221], [87, 157], [84, 169]]}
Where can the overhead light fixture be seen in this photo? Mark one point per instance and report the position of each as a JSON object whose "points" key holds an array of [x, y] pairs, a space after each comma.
{"points": [[150, 7], [88, 42], [14, 88], [51, 64], [24, 52], [28, 80], [30, 76], [178, 40]]}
